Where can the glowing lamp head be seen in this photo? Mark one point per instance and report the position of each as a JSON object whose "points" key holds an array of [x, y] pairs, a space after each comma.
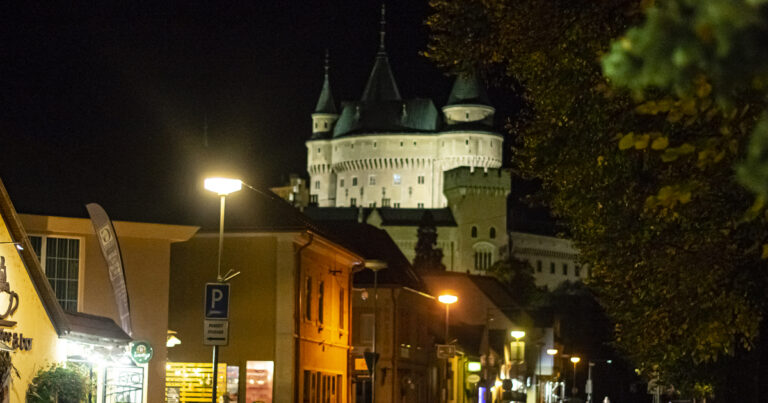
{"points": [[517, 334], [447, 299], [552, 351], [223, 186], [575, 360], [474, 366]]}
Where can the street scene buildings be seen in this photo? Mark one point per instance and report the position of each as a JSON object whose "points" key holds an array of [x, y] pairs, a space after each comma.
{"points": [[353, 202]]}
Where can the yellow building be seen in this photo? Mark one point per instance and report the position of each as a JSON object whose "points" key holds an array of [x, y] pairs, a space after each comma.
{"points": [[289, 308]]}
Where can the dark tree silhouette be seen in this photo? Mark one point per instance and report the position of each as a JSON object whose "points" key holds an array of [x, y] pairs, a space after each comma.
{"points": [[428, 258]]}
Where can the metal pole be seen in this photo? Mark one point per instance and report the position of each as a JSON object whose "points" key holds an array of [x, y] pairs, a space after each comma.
{"points": [[218, 278], [447, 307], [538, 379], [375, 320], [589, 382], [574, 381]]}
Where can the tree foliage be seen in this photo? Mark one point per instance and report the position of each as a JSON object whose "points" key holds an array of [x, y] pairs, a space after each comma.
{"points": [[57, 384], [427, 256], [644, 180]]}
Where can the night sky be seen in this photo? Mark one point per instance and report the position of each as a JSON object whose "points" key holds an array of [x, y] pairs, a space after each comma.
{"points": [[110, 104]]}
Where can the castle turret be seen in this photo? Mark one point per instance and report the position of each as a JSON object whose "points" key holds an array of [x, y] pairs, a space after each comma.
{"points": [[325, 114], [468, 102], [381, 84]]}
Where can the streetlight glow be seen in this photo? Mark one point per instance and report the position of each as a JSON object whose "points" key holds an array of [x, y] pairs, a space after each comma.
{"points": [[447, 299], [517, 334], [223, 186], [552, 351], [575, 360]]}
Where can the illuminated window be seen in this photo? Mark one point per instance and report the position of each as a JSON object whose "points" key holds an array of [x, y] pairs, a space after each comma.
{"points": [[60, 259], [396, 179]]}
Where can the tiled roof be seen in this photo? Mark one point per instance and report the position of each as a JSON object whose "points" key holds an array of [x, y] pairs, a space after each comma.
{"points": [[467, 89]]}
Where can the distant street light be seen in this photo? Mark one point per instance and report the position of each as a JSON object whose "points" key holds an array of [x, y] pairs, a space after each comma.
{"points": [[575, 360], [447, 299], [223, 187], [375, 266], [552, 351]]}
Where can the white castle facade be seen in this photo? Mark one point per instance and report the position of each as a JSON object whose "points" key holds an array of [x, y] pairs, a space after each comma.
{"points": [[386, 160]]}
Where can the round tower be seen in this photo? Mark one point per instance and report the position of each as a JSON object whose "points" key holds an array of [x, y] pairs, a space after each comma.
{"points": [[322, 182], [468, 102]]}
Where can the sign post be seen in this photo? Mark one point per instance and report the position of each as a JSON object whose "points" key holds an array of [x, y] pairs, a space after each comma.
{"points": [[216, 322]]}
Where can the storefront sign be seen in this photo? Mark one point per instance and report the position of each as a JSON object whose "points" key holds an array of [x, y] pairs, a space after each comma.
{"points": [[141, 352], [15, 341]]}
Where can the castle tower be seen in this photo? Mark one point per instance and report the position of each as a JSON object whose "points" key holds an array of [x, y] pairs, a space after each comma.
{"points": [[322, 183], [468, 102]]}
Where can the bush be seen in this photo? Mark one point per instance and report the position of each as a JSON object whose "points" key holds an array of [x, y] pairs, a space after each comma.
{"points": [[57, 384]]}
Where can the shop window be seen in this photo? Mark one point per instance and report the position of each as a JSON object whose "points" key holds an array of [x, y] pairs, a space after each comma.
{"points": [[308, 298], [492, 233], [60, 259], [473, 232], [321, 302]]}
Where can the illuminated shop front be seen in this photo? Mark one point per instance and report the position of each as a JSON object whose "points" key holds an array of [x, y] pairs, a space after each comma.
{"points": [[188, 382]]}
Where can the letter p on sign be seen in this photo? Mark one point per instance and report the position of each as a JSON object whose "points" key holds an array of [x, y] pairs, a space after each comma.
{"points": [[216, 301]]}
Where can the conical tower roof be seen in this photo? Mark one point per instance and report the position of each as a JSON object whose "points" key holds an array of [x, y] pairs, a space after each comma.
{"points": [[325, 103], [381, 84], [467, 89]]}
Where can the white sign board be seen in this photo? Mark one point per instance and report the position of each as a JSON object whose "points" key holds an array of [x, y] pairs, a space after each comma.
{"points": [[215, 332]]}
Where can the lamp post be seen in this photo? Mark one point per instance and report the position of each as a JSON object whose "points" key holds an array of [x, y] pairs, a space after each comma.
{"points": [[551, 352], [223, 187], [375, 266], [447, 299], [575, 360]]}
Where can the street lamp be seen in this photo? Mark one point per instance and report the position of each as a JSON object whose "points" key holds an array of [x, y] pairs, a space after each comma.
{"points": [[575, 360], [223, 187], [375, 266], [447, 298]]}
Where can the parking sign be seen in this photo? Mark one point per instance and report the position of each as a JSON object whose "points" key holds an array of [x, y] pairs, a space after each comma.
{"points": [[216, 301]]}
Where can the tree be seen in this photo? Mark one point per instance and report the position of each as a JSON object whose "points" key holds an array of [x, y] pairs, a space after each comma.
{"points": [[643, 181], [428, 257], [517, 274]]}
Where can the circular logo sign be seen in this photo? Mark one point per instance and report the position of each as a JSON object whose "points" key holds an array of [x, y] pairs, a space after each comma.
{"points": [[474, 378], [141, 352]]}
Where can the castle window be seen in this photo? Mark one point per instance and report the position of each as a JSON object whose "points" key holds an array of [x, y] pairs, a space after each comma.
{"points": [[467, 115], [565, 269], [474, 232], [384, 202], [372, 204], [374, 144], [396, 179], [466, 142], [313, 200], [401, 144], [577, 270], [551, 268], [414, 143], [353, 202], [396, 205], [538, 266], [352, 145], [354, 181], [383, 191], [410, 190], [315, 125], [317, 184], [492, 233], [341, 183], [371, 180], [483, 256], [325, 125], [318, 150], [346, 192], [420, 180], [419, 205]]}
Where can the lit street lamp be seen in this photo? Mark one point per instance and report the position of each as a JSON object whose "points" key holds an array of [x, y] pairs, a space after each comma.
{"points": [[575, 360], [223, 187], [447, 299]]}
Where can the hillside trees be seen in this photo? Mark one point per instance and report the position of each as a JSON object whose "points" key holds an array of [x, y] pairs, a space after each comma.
{"points": [[644, 180]]}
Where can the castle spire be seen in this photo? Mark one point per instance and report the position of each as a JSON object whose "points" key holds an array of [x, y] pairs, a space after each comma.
{"points": [[325, 102], [381, 84]]}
